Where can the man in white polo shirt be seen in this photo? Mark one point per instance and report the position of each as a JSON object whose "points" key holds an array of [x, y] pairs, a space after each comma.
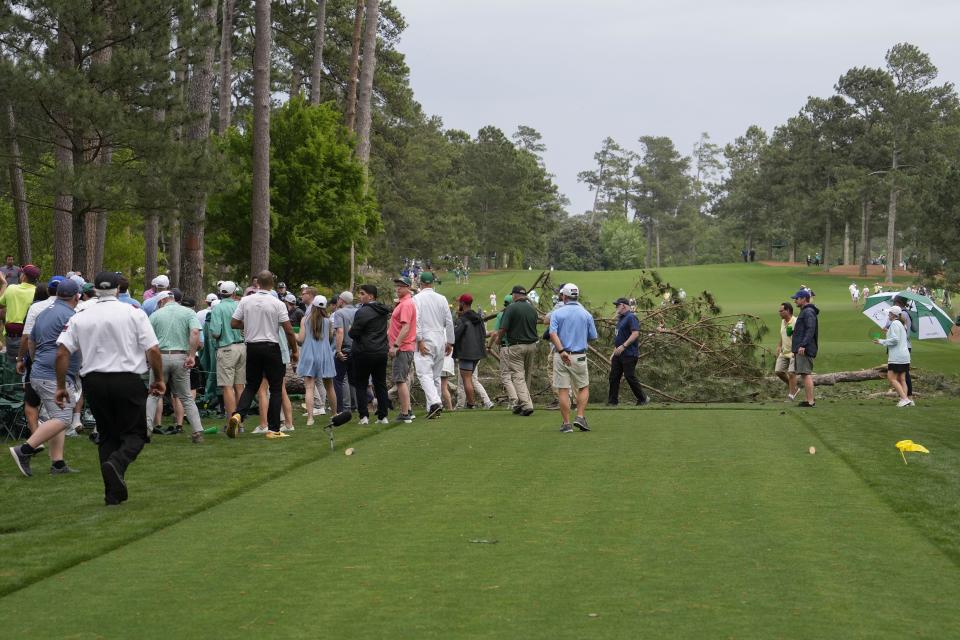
{"points": [[434, 341], [116, 342], [259, 315]]}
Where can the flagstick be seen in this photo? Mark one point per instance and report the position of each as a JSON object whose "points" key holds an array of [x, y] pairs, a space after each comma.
{"points": [[903, 456]]}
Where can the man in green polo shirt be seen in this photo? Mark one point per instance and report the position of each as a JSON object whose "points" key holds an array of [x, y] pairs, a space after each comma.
{"points": [[231, 351], [505, 378], [178, 335], [15, 300], [518, 327]]}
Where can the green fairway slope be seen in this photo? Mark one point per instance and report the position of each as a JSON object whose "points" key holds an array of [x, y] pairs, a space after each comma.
{"points": [[670, 522], [754, 289]]}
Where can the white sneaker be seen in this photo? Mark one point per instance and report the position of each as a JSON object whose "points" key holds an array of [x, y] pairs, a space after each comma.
{"points": [[364, 420], [310, 421], [489, 405], [322, 411], [286, 428], [383, 421], [904, 403], [792, 396], [260, 430]]}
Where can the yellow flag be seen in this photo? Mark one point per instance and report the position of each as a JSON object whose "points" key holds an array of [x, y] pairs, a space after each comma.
{"points": [[910, 445]]}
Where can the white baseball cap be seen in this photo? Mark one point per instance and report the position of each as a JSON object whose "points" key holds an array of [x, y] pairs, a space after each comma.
{"points": [[895, 310], [228, 288], [211, 297], [290, 298], [161, 281], [570, 290], [163, 295], [320, 302], [347, 297]]}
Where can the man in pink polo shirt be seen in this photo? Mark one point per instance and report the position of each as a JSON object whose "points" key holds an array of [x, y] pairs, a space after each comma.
{"points": [[402, 335]]}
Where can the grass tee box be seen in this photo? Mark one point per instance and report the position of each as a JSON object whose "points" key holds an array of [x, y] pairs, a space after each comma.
{"points": [[675, 522]]}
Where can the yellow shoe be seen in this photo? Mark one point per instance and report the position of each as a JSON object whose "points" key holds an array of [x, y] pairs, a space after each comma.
{"points": [[233, 426], [274, 435]]}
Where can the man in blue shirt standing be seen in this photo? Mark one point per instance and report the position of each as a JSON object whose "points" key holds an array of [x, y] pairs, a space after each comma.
{"points": [[623, 362], [571, 328]]}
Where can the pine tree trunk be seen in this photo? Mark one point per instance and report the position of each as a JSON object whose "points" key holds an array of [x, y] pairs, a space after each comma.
{"points": [[792, 257], [174, 251], [199, 94], [260, 243], [351, 110], [316, 69], [891, 231], [826, 243], [226, 66], [365, 98], [18, 191], [151, 233], [657, 232], [63, 155], [649, 261], [96, 220], [846, 242], [296, 79], [866, 209]]}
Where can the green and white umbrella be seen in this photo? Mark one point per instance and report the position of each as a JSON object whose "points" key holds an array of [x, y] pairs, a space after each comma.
{"points": [[929, 320]]}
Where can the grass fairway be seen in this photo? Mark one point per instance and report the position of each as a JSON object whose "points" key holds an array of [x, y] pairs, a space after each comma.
{"points": [[755, 289], [663, 522]]}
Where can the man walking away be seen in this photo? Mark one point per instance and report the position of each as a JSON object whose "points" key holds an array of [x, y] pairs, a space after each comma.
{"points": [[403, 339], [178, 336], [518, 327], [623, 362], [499, 338], [43, 380], [230, 349], [804, 343], [259, 315], [115, 342], [368, 353], [160, 283], [434, 341], [342, 321], [785, 367], [571, 329], [15, 301]]}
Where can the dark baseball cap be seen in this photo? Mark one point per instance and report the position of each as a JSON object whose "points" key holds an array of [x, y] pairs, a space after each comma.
{"points": [[803, 293], [519, 289], [32, 271], [427, 277], [67, 289], [466, 298], [106, 280], [177, 294], [404, 280], [619, 301]]}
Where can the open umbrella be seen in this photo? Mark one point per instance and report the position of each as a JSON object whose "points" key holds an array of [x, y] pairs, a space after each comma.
{"points": [[929, 320]]}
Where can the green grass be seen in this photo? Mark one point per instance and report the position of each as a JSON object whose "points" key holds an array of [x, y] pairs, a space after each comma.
{"points": [[702, 521], [754, 289]]}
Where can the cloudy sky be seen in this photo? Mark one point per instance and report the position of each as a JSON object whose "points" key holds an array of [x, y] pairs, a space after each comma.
{"points": [[579, 71]]}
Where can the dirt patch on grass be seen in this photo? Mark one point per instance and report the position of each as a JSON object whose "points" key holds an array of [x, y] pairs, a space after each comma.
{"points": [[853, 270]]}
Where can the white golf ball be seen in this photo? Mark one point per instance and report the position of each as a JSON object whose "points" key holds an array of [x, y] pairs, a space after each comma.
{"points": [[348, 452], [813, 450]]}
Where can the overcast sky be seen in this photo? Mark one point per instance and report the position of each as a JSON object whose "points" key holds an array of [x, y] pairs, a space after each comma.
{"points": [[579, 71]]}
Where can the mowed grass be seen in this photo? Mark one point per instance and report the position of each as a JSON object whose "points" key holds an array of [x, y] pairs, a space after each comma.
{"points": [[670, 522], [755, 289]]}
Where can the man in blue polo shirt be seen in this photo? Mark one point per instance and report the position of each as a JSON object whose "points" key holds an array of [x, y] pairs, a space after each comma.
{"points": [[571, 328], [623, 362]]}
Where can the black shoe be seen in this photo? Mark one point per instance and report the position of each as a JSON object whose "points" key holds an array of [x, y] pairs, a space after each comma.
{"points": [[178, 429], [471, 406], [116, 488], [22, 461], [517, 409], [434, 411], [614, 404], [581, 423], [566, 428], [95, 437], [644, 402], [807, 405], [526, 412]]}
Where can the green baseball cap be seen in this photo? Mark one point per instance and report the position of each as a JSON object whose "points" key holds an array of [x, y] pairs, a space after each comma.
{"points": [[427, 277], [507, 299]]}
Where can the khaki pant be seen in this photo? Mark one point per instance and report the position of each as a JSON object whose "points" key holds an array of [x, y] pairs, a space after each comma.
{"points": [[520, 358], [505, 377]]}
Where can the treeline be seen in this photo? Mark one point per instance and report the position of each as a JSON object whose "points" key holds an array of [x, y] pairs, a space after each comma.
{"points": [[872, 170], [213, 138]]}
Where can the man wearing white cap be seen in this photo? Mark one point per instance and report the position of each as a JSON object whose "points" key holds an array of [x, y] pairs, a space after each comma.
{"points": [[571, 329], [434, 341], [160, 284], [342, 321], [230, 349]]}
